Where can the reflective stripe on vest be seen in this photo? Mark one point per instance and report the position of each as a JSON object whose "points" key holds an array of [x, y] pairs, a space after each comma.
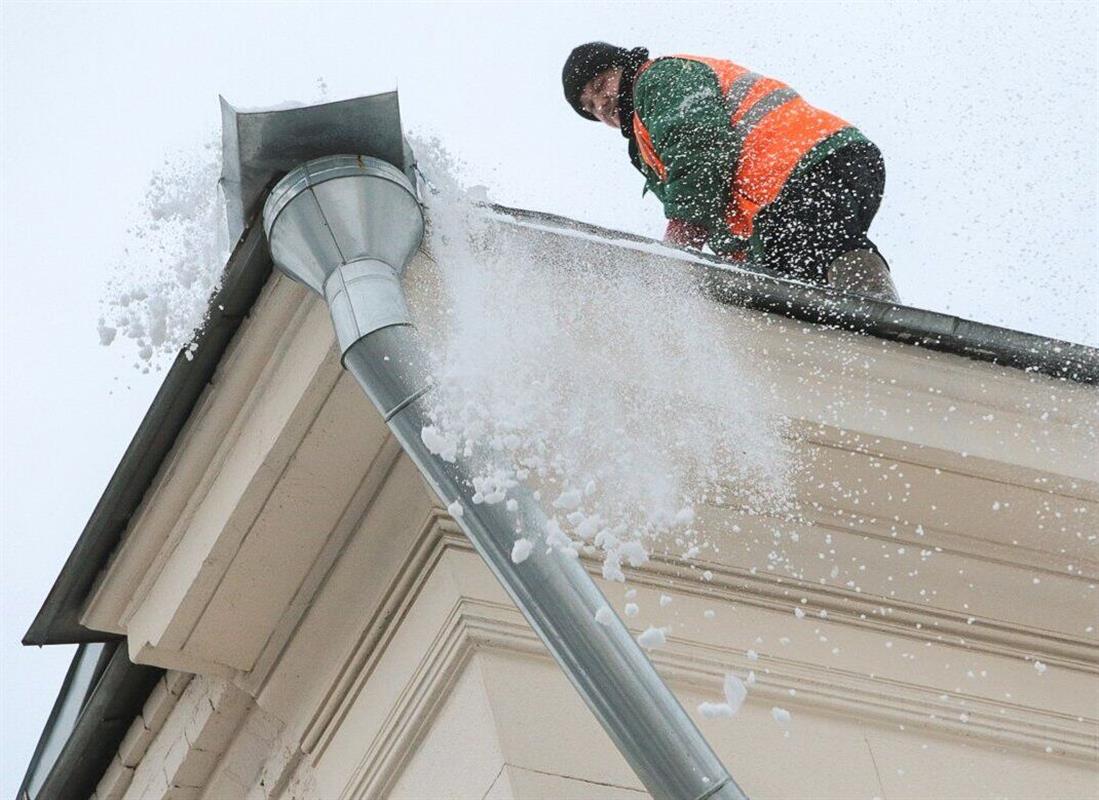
{"points": [[738, 91], [767, 145]]}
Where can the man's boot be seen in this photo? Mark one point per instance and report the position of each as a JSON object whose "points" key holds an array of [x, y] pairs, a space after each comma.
{"points": [[863, 272]]}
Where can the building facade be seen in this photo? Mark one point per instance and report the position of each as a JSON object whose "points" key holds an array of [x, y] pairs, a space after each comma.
{"points": [[311, 623]]}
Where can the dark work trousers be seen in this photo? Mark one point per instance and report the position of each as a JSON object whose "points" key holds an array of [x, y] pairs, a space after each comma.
{"points": [[823, 213]]}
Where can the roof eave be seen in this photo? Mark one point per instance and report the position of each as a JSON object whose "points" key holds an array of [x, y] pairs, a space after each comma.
{"points": [[250, 265], [245, 274], [826, 306]]}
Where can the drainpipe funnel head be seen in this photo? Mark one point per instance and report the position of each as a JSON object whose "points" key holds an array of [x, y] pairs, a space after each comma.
{"points": [[346, 226]]}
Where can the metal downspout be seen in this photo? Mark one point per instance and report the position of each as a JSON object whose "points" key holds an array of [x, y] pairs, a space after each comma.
{"points": [[346, 226]]}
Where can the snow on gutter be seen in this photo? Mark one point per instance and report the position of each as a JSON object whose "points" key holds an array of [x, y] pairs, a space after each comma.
{"points": [[755, 288]]}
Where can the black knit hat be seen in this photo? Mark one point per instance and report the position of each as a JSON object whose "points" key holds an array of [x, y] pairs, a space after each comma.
{"points": [[588, 60]]}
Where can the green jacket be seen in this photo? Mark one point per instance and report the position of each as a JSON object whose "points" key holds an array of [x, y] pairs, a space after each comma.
{"points": [[679, 101]]}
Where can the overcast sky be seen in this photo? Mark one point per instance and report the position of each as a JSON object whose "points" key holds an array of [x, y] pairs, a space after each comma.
{"points": [[986, 114]]}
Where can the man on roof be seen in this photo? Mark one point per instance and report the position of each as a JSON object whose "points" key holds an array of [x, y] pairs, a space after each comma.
{"points": [[741, 163]]}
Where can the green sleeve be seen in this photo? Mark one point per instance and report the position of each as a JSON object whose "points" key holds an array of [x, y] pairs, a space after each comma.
{"points": [[680, 103]]}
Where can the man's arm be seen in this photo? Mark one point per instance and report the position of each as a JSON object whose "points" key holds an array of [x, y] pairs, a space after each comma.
{"points": [[680, 103], [685, 234]]}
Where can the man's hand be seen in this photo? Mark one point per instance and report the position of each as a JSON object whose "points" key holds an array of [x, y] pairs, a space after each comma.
{"points": [[685, 234]]}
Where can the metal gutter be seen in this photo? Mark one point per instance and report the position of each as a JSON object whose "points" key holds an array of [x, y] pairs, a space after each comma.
{"points": [[826, 306], [108, 700]]}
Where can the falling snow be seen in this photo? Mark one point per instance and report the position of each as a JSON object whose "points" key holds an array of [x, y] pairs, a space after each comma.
{"points": [[159, 293]]}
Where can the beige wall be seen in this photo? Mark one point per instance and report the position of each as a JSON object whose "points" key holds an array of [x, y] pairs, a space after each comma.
{"points": [[349, 644]]}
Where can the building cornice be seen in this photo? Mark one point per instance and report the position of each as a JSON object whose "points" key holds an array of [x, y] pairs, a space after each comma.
{"points": [[470, 622], [475, 625], [58, 621], [249, 268]]}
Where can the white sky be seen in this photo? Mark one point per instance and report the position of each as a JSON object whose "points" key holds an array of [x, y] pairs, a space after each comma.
{"points": [[986, 114]]}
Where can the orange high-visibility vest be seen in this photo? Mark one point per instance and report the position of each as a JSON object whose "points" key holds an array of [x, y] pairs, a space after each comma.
{"points": [[773, 129]]}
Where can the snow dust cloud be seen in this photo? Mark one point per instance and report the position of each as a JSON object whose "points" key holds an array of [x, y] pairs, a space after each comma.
{"points": [[603, 389]]}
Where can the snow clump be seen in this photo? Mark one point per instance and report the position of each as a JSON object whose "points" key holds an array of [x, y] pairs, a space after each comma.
{"points": [[521, 550], [715, 710], [445, 447], [652, 638], [604, 616], [735, 693], [177, 245]]}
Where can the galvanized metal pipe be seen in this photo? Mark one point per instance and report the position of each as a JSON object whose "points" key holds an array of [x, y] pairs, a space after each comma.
{"points": [[553, 591]]}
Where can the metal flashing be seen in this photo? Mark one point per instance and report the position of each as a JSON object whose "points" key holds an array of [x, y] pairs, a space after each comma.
{"points": [[260, 146], [106, 691]]}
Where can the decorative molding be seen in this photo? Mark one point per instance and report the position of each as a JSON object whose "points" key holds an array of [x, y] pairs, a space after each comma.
{"points": [[420, 701], [965, 545], [474, 624], [862, 610], [435, 534], [885, 448], [167, 608], [143, 535], [193, 465], [357, 508]]}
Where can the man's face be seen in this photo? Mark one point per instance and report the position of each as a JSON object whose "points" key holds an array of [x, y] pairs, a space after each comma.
{"points": [[600, 96]]}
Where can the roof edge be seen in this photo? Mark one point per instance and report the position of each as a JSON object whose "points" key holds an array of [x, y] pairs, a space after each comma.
{"points": [[764, 291], [245, 274], [112, 702], [250, 265]]}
